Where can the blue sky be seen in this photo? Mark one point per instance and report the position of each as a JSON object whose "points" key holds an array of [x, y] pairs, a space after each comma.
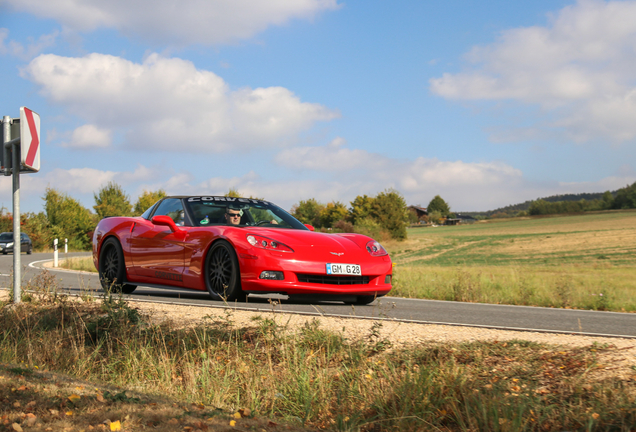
{"points": [[484, 103]]}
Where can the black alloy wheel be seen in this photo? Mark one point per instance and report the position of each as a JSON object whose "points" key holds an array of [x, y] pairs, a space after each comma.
{"points": [[222, 273], [112, 268]]}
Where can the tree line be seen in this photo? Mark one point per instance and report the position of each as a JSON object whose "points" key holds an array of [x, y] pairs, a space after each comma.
{"points": [[624, 198], [65, 218], [382, 216]]}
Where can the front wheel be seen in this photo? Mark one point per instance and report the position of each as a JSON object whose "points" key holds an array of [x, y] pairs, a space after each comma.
{"points": [[362, 300], [222, 274], [30, 250], [112, 268]]}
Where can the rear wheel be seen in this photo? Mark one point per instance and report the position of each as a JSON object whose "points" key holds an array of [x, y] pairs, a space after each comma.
{"points": [[222, 275], [30, 250], [112, 268]]}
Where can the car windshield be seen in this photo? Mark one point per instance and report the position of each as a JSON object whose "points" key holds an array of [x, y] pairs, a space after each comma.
{"points": [[239, 212], [6, 237]]}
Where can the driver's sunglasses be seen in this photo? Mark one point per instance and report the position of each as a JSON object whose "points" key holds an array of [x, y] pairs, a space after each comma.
{"points": [[234, 214]]}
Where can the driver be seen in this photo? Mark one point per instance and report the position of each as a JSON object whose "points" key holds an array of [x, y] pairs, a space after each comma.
{"points": [[233, 216]]}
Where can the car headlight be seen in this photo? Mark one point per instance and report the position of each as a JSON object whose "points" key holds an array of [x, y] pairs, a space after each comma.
{"points": [[376, 249], [9, 244], [267, 243]]}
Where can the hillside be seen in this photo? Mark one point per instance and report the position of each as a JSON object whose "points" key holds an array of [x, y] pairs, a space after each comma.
{"points": [[515, 208]]}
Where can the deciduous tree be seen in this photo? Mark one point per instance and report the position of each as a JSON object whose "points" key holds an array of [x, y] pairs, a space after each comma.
{"points": [[625, 197], [332, 213], [361, 208], [146, 199], [389, 209], [438, 204], [112, 201], [308, 212], [68, 219]]}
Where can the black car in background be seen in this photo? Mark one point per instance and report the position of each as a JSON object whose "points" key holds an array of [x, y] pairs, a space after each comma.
{"points": [[6, 243]]}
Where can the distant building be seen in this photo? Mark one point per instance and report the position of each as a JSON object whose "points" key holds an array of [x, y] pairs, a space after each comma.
{"points": [[419, 211], [464, 219]]}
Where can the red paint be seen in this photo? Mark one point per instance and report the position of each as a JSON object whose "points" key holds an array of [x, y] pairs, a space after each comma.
{"points": [[35, 140]]}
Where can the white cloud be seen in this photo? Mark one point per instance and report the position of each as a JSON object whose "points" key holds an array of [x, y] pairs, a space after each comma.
{"points": [[165, 103], [17, 49], [465, 186], [90, 136], [579, 71], [356, 172], [181, 23], [333, 157], [90, 180]]}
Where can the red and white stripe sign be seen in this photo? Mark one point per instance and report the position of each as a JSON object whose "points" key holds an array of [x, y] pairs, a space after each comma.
{"points": [[30, 139]]}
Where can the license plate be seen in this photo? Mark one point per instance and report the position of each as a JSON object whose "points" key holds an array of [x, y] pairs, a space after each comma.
{"points": [[344, 269]]}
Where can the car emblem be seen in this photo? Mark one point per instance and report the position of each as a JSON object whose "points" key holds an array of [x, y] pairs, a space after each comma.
{"points": [[336, 253]]}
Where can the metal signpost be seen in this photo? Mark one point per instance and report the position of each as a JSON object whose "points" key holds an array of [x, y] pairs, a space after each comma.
{"points": [[20, 153]]}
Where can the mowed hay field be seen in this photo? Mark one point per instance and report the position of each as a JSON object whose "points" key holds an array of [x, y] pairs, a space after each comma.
{"points": [[583, 261]]}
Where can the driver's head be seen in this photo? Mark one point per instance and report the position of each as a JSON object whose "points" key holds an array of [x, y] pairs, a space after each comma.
{"points": [[233, 216]]}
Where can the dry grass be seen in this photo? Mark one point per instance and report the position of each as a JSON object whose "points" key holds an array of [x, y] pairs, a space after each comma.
{"points": [[585, 261], [165, 377], [78, 263], [585, 236]]}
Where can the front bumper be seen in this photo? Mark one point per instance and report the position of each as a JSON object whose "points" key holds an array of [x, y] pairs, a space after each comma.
{"points": [[6, 249], [309, 277]]}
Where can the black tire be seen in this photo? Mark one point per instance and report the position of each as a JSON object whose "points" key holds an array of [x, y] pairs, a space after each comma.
{"points": [[222, 273], [363, 300], [112, 268], [4, 253], [30, 250]]}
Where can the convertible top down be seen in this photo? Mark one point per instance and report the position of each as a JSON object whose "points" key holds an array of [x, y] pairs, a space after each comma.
{"points": [[237, 246]]}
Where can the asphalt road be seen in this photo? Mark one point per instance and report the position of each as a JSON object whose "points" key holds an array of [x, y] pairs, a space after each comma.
{"points": [[608, 324]]}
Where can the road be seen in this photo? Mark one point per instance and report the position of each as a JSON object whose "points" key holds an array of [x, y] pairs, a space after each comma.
{"points": [[524, 318]]}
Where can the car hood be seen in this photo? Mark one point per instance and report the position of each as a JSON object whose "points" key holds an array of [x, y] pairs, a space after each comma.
{"points": [[300, 240]]}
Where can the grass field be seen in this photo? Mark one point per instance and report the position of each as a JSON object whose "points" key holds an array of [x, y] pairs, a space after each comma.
{"points": [[583, 261]]}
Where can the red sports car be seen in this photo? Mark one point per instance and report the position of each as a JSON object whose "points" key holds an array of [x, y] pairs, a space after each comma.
{"points": [[237, 246]]}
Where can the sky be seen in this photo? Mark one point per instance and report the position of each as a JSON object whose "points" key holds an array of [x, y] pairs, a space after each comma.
{"points": [[485, 103]]}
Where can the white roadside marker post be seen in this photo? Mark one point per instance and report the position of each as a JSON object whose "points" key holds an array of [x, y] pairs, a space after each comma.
{"points": [[55, 253]]}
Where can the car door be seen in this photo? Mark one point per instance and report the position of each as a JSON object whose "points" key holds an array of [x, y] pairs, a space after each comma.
{"points": [[24, 243], [157, 251]]}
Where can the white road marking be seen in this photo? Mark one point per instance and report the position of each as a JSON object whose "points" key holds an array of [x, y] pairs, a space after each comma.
{"points": [[36, 262]]}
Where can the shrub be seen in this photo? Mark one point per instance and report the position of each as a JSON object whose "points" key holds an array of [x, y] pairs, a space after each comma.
{"points": [[370, 227]]}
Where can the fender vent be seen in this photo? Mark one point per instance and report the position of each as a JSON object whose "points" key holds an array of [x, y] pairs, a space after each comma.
{"points": [[333, 280]]}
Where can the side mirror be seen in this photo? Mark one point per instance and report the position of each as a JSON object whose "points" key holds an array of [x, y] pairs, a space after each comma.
{"points": [[311, 227], [165, 220]]}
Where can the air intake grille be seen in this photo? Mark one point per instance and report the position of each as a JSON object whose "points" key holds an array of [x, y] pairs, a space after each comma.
{"points": [[333, 280]]}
